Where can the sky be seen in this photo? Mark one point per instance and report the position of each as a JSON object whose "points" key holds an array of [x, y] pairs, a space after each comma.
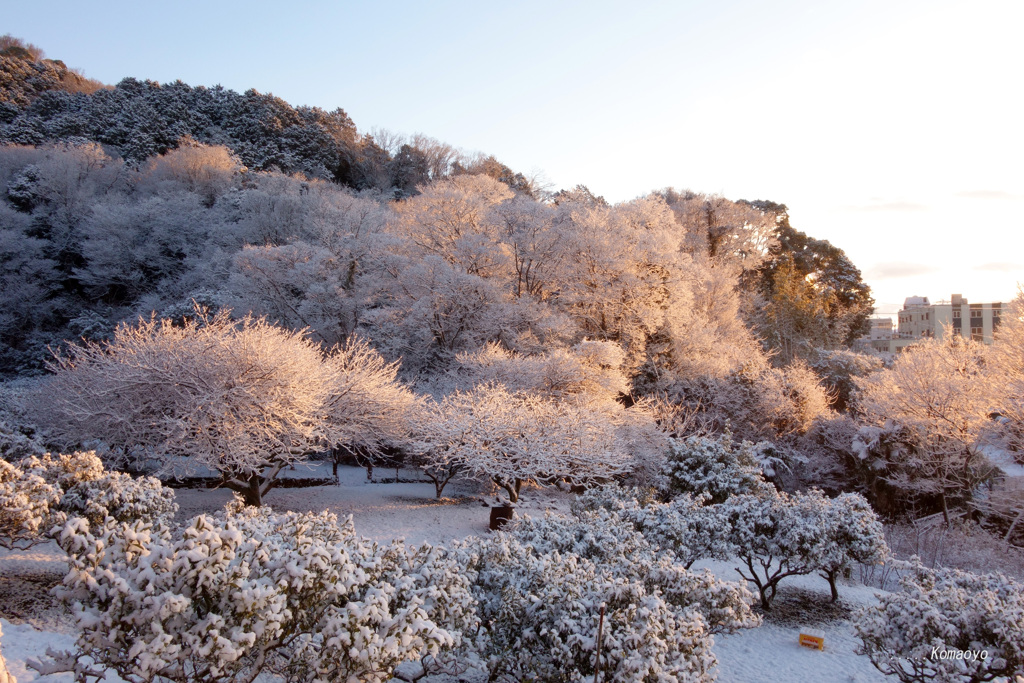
{"points": [[894, 129]]}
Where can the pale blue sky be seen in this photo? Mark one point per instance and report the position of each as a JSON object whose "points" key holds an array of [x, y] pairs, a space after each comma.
{"points": [[893, 129]]}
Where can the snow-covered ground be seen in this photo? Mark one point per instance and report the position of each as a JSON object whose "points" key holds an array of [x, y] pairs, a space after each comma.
{"points": [[387, 511]]}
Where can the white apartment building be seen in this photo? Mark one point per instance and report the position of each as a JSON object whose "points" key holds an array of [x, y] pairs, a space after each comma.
{"points": [[921, 319]]}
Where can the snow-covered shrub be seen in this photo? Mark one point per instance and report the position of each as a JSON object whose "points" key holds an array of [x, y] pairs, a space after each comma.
{"points": [[120, 497], [41, 492], [684, 526], [230, 595], [14, 444], [65, 470], [714, 466], [947, 626], [16, 439], [852, 534], [5, 675], [540, 587], [775, 537], [26, 501]]}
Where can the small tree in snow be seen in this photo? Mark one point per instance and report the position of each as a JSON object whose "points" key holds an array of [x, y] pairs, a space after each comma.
{"points": [[231, 595], [948, 626], [853, 534], [518, 438], [775, 537]]}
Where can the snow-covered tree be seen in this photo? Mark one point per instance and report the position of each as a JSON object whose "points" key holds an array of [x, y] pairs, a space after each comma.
{"points": [[367, 408], [852, 534], [515, 438], [775, 537], [937, 393], [1006, 368], [228, 596], [243, 398], [715, 467], [451, 219], [947, 626]]}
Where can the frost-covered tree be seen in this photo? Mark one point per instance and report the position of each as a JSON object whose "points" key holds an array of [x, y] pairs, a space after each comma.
{"points": [[775, 537], [1006, 368], [853, 534], [516, 438], [937, 393], [948, 626], [207, 171], [229, 596], [242, 398], [714, 467]]}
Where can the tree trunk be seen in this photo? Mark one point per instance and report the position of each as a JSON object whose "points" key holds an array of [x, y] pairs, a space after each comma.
{"points": [[830, 576], [251, 494]]}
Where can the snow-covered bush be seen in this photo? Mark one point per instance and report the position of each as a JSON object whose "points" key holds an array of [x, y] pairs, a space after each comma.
{"points": [[122, 498], [14, 444], [775, 537], [65, 470], [852, 534], [540, 587], [41, 492], [714, 466], [684, 526], [946, 626], [233, 594], [26, 501]]}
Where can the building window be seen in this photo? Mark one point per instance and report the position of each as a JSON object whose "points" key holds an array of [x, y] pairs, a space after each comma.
{"points": [[976, 334], [956, 315]]}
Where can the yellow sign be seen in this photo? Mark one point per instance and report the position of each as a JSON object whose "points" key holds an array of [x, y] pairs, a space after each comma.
{"points": [[808, 640]]}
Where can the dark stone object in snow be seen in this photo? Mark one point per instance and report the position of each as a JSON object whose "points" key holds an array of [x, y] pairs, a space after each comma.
{"points": [[500, 516]]}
